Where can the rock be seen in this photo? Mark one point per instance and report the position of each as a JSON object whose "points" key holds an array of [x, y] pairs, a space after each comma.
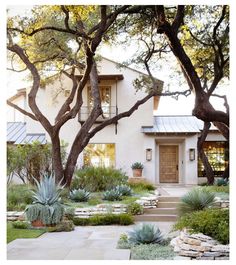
{"points": [[182, 258], [211, 254], [221, 258], [177, 249], [221, 248], [189, 253], [192, 241], [192, 247], [200, 236], [205, 258]]}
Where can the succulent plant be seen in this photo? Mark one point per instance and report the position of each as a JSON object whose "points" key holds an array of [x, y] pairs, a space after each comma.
{"points": [[137, 165], [196, 200], [112, 195], [48, 192], [46, 202], [125, 190], [145, 234], [80, 195]]}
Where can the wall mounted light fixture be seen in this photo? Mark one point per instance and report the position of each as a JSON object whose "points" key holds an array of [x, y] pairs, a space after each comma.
{"points": [[191, 154], [148, 154]]}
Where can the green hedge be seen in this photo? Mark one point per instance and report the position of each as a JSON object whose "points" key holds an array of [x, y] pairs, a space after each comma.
{"points": [[211, 222], [98, 178], [106, 219]]}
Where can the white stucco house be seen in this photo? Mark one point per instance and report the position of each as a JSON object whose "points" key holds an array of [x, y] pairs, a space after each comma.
{"points": [[166, 145]]}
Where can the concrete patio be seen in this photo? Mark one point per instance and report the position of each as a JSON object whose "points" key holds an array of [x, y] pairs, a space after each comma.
{"points": [[84, 243]]}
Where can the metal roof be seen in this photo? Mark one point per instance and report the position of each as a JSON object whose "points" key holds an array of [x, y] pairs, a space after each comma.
{"points": [[175, 124], [16, 133]]}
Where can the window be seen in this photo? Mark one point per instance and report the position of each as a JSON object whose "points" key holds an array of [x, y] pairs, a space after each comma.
{"points": [[105, 94], [99, 155], [218, 156]]}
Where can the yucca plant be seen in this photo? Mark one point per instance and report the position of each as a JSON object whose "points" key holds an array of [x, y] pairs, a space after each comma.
{"points": [[196, 200], [124, 190], [145, 234], [46, 205], [80, 195], [112, 195]]}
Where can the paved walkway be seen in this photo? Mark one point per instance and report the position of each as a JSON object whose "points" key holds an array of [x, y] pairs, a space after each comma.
{"points": [[84, 243], [174, 190]]}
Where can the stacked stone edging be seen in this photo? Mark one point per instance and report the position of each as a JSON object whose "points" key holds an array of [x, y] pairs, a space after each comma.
{"points": [[199, 246]]}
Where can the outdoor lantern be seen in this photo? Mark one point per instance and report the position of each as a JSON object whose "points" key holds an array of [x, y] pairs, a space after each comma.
{"points": [[191, 154], [148, 154]]}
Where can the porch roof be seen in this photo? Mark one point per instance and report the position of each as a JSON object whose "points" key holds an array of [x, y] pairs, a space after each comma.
{"points": [[176, 124], [16, 134]]}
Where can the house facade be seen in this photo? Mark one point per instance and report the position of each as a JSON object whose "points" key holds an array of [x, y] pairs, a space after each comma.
{"points": [[165, 145]]}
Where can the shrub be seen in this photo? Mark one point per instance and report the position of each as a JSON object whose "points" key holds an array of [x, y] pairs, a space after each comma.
{"points": [[123, 242], [152, 252], [18, 196], [64, 226], [124, 190], [145, 234], [106, 219], [135, 208], [142, 186], [221, 182], [80, 195], [98, 178], [69, 212], [196, 200], [217, 189], [137, 165], [112, 195], [211, 222], [46, 206], [20, 225]]}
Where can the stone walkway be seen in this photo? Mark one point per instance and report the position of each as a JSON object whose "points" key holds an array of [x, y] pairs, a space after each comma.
{"points": [[174, 190], [84, 243]]}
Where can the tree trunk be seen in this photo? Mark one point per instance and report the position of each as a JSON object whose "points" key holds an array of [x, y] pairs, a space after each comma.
{"points": [[56, 158], [225, 174], [202, 155]]}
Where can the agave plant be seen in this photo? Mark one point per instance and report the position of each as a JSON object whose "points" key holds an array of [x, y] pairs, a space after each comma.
{"points": [[124, 190], [80, 195], [46, 205], [196, 200], [112, 195], [145, 234]]}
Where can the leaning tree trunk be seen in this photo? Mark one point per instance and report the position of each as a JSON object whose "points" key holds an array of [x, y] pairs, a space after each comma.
{"points": [[202, 155]]}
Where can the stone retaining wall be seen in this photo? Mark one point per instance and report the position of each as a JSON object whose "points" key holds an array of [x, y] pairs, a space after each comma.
{"points": [[199, 246]]}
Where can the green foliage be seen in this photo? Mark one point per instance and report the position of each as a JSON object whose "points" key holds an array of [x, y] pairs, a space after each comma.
{"points": [[217, 189], [196, 200], [64, 226], [94, 201], [145, 234], [211, 222], [137, 165], [221, 182], [80, 195], [69, 212], [112, 195], [20, 225], [98, 178], [135, 208], [142, 186], [30, 161], [13, 233], [124, 190], [18, 196], [106, 219], [48, 214], [152, 252], [123, 242]]}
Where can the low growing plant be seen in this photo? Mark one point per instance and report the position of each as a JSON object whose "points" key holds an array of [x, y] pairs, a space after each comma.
{"points": [[112, 195], [20, 225], [211, 222], [80, 195], [64, 226], [142, 186], [69, 212], [145, 234], [135, 208], [124, 190], [196, 200], [221, 182]]}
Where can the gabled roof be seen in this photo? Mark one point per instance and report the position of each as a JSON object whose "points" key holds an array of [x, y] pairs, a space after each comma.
{"points": [[20, 92], [176, 124], [16, 134]]}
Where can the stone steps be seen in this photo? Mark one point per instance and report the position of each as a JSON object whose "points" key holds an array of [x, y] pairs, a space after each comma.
{"points": [[167, 204], [166, 211], [155, 218], [168, 199]]}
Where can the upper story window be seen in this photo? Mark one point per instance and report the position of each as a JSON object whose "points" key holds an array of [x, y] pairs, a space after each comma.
{"points": [[105, 94]]}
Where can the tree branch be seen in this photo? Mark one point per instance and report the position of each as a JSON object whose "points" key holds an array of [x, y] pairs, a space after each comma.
{"points": [[179, 18], [21, 110]]}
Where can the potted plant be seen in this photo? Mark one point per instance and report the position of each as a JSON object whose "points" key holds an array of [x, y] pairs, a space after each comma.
{"points": [[137, 168], [46, 209]]}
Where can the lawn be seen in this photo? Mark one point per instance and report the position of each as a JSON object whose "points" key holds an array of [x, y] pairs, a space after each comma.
{"points": [[13, 233]]}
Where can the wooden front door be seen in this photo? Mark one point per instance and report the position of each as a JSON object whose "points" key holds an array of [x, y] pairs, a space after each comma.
{"points": [[169, 165]]}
